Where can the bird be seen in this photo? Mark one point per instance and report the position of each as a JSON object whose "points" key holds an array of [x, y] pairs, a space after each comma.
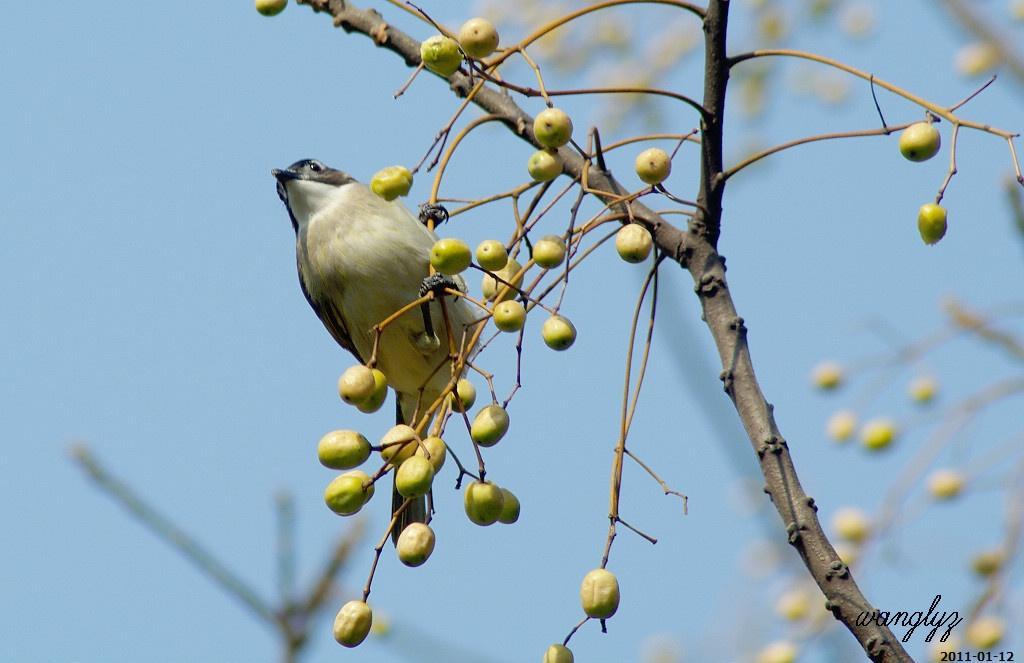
{"points": [[360, 259]]}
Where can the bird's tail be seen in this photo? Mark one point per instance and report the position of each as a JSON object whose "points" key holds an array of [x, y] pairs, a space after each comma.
{"points": [[416, 512]]}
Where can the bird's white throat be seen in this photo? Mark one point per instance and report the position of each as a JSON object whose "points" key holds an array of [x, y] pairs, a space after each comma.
{"points": [[307, 198]]}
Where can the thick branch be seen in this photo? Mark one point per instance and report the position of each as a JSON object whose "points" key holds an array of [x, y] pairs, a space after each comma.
{"points": [[697, 252]]}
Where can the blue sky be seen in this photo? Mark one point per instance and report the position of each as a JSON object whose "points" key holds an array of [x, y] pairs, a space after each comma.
{"points": [[152, 311]]}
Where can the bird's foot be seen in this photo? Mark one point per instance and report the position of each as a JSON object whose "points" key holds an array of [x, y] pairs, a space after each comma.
{"points": [[437, 283], [432, 212]]}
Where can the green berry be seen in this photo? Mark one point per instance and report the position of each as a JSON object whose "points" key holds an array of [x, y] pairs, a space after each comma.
{"points": [[878, 434], [552, 128], [599, 594], [489, 425], [450, 256], [851, 524], [483, 501], [509, 274], [391, 182], [414, 477], [352, 624], [653, 165], [271, 7], [415, 544], [345, 495], [931, 222], [441, 55], [380, 393], [544, 165], [509, 316], [633, 242], [478, 38], [356, 384], [399, 444], [558, 332], [343, 449], [987, 562], [491, 255], [509, 507], [558, 654], [827, 376], [464, 396], [549, 251], [920, 141], [434, 450], [945, 484]]}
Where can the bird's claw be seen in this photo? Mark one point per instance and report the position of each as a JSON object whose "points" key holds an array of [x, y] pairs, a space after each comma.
{"points": [[437, 283], [433, 212]]}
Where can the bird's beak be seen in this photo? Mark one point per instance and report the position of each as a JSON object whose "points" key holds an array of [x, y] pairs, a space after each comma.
{"points": [[283, 176]]}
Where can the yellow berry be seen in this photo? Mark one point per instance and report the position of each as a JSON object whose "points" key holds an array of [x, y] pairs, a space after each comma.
{"points": [[920, 141], [599, 594], [878, 434], [345, 495], [549, 251], [827, 375], [483, 502], [931, 222], [356, 384], [851, 524], [380, 392], [464, 395], [414, 476], [778, 652], [415, 544], [945, 484], [841, 425], [352, 624], [450, 256], [478, 37], [441, 55], [923, 389], [558, 654], [509, 274], [988, 562], [491, 254], [490, 425], [509, 507], [793, 605], [271, 7], [653, 165], [399, 444], [434, 450], [633, 242], [558, 332], [509, 316], [985, 632], [552, 128], [544, 165], [391, 182], [343, 449]]}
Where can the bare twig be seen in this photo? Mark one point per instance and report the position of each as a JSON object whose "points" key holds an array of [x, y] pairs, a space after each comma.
{"points": [[173, 535]]}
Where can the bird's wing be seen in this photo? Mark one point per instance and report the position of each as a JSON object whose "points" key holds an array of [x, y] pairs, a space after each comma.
{"points": [[331, 317]]}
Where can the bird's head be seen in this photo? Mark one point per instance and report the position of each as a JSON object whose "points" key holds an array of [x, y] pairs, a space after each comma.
{"points": [[307, 186]]}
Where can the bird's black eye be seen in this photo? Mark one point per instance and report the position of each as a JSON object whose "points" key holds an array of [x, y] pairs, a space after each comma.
{"points": [[316, 166]]}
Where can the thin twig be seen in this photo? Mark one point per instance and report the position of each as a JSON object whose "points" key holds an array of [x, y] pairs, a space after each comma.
{"points": [[173, 535]]}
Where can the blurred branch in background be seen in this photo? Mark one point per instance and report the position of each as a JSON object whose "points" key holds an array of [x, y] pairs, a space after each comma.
{"points": [[1001, 44], [291, 619]]}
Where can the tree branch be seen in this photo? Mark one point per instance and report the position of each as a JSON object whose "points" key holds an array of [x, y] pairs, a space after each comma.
{"points": [[697, 252]]}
